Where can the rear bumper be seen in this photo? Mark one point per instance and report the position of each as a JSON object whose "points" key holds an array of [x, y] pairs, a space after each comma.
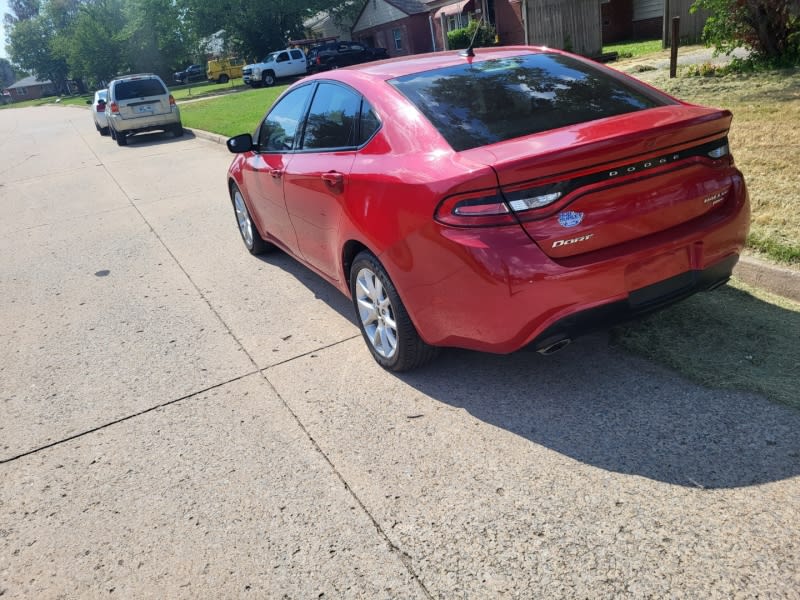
{"points": [[494, 290], [149, 123], [639, 302]]}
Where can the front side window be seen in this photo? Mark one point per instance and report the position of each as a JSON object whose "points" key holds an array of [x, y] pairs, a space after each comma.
{"points": [[282, 57], [486, 102], [332, 119], [279, 129]]}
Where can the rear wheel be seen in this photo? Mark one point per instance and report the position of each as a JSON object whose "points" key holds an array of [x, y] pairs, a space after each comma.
{"points": [[223, 79], [253, 241], [384, 322], [177, 130], [122, 138]]}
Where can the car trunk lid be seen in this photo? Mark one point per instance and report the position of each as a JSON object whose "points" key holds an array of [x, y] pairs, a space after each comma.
{"points": [[615, 179]]}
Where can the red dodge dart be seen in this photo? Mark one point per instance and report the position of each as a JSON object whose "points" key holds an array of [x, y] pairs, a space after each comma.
{"points": [[518, 197]]}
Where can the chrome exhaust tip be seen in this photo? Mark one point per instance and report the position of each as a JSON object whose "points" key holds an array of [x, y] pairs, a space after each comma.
{"points": [[554, 347]]}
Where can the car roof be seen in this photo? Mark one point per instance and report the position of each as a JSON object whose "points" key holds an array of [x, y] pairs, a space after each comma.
{"points": [[406, 65], [135, 76]]}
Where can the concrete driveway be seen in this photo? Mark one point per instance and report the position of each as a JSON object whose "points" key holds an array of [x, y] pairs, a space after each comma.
{"points": [[179, 419]]}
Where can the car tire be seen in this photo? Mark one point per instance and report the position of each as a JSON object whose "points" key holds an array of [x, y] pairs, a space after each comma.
{"points": [[104, 130], [385, 325], [223, 79], [112, 133], [268, 79], [122, 139], [177, 130], [252, 239]]}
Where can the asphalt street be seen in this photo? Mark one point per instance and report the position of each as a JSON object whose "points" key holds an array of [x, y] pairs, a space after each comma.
{"points": [[179, 419]]}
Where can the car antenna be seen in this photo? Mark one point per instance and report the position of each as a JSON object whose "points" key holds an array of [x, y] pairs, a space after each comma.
{"points": [[469, 52]]}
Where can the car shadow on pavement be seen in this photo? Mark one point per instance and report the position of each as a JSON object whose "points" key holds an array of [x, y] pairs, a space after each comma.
{"points": [[603, 407], [157, 138], [621, 413]]}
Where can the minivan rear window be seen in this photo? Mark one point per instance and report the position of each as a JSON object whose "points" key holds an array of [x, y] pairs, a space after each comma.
{"points": [[139, 88], [495, 100]]}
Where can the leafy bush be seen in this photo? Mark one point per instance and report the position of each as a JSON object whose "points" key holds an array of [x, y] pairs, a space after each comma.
{"points": [[460, 38], [770, 28]]}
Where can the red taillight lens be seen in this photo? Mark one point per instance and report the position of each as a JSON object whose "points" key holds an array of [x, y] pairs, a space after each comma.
{"points": [[171, 100], [101, 108], [114, 108], [319, 62], [478, 209]]}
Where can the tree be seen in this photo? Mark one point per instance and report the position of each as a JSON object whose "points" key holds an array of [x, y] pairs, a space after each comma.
{"points": [[770, 28], [95, 50], [33, 46], [7, 75]]}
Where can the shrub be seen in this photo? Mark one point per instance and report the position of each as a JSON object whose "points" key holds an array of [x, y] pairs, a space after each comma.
{"points": [[460, 38]]}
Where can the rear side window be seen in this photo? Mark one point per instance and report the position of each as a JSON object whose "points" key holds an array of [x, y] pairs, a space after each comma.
{"points": [[487, 102], [139, 88], [332, 119]]}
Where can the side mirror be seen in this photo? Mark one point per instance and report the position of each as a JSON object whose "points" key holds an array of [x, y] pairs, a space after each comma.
{"points": [[240, 143]]}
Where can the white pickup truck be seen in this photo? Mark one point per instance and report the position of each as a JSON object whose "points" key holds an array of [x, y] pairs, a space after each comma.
{"points": [[283, 63]]}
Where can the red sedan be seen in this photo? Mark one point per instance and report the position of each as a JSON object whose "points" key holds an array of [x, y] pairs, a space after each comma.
{"points": [[516, 198]]}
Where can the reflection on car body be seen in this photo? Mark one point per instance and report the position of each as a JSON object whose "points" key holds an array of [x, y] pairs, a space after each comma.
{"points": [[518, 198]]}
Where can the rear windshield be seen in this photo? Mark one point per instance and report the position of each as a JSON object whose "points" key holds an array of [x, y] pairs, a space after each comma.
{"points": [[139, 88], [496, 100]]}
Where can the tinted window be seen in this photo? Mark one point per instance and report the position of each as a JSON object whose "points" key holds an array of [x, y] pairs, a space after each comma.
{"points": [[491, 101], [369, 123], [296, 54], [279, 129], [282, 57], [333, 118], [138, 88]]}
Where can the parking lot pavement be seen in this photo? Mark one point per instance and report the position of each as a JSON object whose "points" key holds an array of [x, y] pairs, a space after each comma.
{"points": [[180, 419]]}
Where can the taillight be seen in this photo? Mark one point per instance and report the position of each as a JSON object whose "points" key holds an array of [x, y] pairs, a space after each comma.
{"points": [[477, 209], [101, 108], [171, 100], [114, 108], [319, 61]]}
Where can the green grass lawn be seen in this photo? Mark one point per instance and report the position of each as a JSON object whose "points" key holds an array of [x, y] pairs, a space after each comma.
{"points": [[231, 114], [634, 49]]}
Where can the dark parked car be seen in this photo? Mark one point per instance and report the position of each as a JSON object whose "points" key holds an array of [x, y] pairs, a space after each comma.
{"points": [[520, 197], [191, 73], [341, 54]]}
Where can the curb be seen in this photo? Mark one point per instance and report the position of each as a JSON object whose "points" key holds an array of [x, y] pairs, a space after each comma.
{"points": [[780, 281]]}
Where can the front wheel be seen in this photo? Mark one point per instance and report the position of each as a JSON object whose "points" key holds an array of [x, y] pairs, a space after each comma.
{"points": [[268, 78], [253, 241], [384, 322]]}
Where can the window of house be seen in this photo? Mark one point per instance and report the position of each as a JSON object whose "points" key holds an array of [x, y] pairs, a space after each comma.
{"points": [[397, 34], [457, 21]]}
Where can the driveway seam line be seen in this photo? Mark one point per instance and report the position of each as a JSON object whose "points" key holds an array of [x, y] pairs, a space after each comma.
{"points": [[405, 558], [125, 418]]}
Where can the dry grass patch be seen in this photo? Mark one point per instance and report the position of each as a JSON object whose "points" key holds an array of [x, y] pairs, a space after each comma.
{"points": [[765, 140]]}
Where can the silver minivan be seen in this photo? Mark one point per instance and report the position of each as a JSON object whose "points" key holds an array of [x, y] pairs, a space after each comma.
{"points": [[139, 103]]}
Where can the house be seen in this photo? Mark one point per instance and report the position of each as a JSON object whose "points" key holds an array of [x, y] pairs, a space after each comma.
{"points": [[401, 26], [413, 26], [322, 25], [644, 19], [30, 88]]}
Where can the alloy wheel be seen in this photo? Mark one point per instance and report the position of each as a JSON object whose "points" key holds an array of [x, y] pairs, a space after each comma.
{"points": [[243, 217], [376, 313]]}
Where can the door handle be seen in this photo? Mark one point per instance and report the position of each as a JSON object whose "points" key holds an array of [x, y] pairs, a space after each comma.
{"points": [[276, 173], [332, 178]]}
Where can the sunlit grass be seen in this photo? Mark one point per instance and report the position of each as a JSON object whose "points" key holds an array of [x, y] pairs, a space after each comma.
{"points": [[231, 114], [634, 49]]}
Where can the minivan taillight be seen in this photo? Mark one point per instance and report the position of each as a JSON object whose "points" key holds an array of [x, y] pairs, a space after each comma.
{"points": [[477, 209], [114, 108]]}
